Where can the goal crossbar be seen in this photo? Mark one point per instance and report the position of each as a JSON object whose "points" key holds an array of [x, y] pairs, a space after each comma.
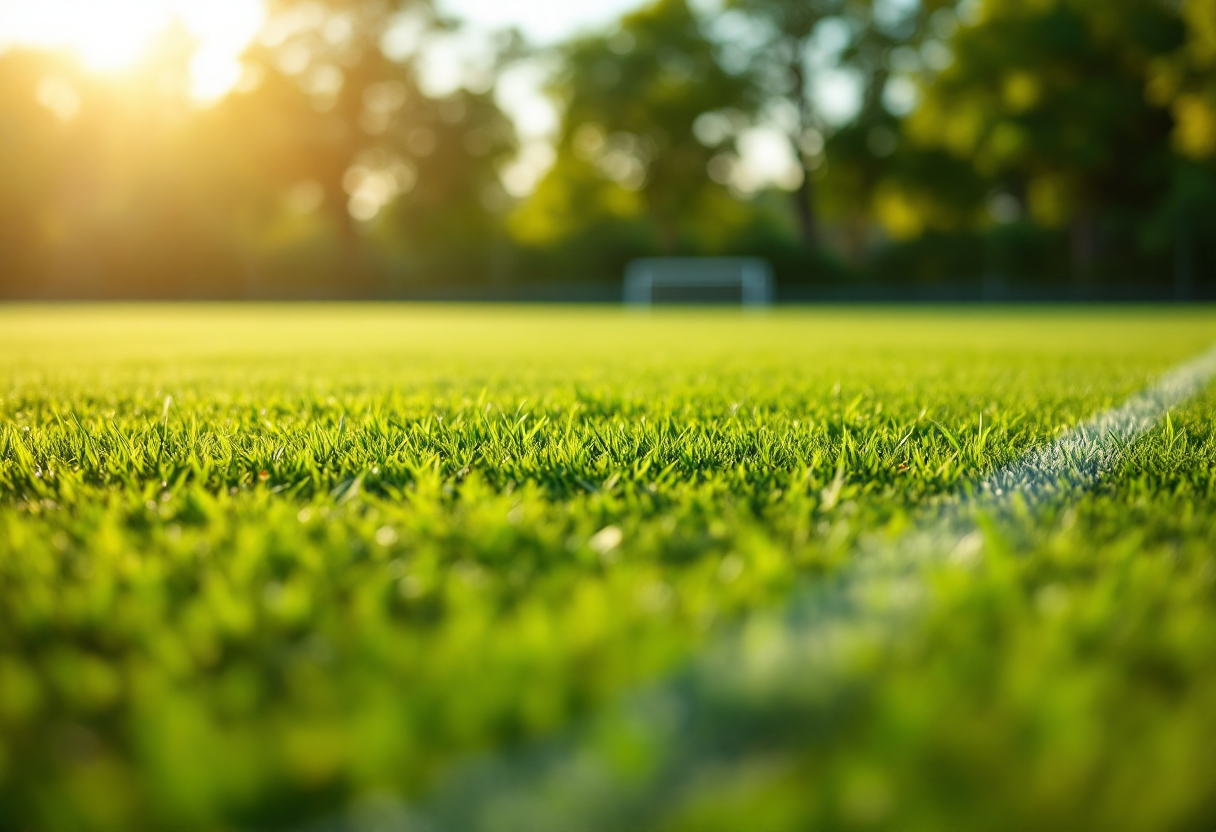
{"points": [[753, 275]]}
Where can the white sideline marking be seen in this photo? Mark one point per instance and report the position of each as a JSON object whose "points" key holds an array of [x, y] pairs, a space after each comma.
{"points": [[707, 714]]}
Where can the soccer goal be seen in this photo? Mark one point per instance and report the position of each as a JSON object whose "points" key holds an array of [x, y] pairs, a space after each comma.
{"points": [[745, 280]]}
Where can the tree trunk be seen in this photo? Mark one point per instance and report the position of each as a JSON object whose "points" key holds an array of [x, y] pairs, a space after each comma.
{"points": [[804, 204], [669, 236], [1084, 234], [354, 274], [804, 196], [1184, 256], [665, 223]]}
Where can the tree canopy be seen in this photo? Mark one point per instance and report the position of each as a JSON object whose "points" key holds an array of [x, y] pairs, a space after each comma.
{"points": [[1085, 128]]}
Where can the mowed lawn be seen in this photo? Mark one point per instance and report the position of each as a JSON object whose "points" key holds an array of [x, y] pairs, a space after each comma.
{"points": [[263, 564]]}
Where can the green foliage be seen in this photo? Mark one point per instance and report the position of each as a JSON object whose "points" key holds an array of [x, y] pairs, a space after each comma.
{"points": [[630, 101], [259, 565], [1049, 98], [1184, 81], [327, 170], [330, 170]]}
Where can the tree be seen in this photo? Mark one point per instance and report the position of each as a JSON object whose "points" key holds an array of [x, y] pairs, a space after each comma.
{"points": [[784, 58], [327, 171], [1046, 100], [40, 96], [333, 109], [781, 63], [631, 103], [1185, 80]]}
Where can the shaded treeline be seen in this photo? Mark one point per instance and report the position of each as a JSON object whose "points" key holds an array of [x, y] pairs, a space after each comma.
{"points": [[1064, 143]]}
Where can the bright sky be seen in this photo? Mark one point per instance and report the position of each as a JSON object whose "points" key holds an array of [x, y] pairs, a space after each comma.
{"points": [[543, 21], [110, 35], [766, 155]]}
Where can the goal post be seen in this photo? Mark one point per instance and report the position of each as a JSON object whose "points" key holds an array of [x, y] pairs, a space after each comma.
{"points": [[745, 280]]}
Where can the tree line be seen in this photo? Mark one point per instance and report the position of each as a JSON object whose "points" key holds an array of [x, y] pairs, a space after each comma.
{"points": [[996, 143]]}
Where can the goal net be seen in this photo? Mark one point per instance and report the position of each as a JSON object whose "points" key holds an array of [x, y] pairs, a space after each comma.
{"points": [[745, 280]]}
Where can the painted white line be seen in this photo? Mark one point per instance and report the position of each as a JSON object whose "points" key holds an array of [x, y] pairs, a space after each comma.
{"points": [[1088, 451], [785, 664]]}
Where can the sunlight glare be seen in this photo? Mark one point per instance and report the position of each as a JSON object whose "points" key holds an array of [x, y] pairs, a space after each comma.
{"points": [[114, 36]]}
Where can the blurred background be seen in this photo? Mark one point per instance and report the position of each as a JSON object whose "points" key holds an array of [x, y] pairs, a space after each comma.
{"points": [[886, 149]]}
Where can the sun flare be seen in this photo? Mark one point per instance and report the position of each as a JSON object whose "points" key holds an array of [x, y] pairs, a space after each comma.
{"points": [[112, 35]]}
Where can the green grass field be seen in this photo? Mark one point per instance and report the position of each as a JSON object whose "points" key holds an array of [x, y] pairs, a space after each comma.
{"points": [[261, 565]]}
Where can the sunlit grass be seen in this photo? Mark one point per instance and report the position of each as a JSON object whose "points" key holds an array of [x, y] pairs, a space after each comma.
{"points": [[259, 563]]}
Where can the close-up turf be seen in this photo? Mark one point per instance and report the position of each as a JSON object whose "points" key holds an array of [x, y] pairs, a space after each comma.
{"points": [[333, 566]]}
